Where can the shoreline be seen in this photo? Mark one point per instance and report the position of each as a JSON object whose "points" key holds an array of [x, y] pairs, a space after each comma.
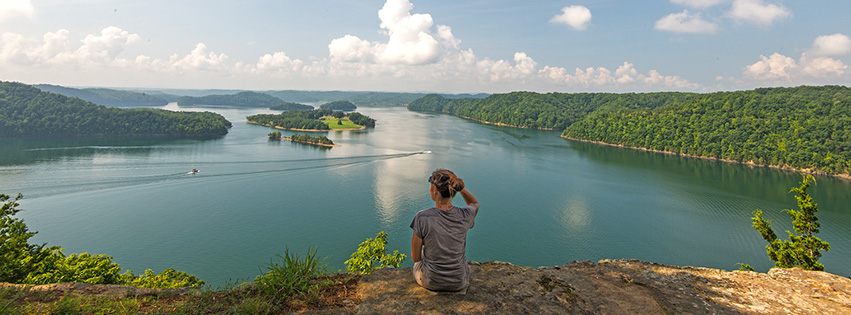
{"points": [[306, 142], [496, 123], [307, 130], [748, 163]]}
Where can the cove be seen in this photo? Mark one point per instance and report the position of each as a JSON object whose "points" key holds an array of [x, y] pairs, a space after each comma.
{"points": [[545, 200]]}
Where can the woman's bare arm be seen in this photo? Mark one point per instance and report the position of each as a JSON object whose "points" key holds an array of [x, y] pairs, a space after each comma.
{"points": [[416, 248], [468, 198]]}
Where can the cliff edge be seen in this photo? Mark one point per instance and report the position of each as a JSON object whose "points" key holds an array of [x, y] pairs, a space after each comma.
{"points": [[606, 287], [610, 287]]}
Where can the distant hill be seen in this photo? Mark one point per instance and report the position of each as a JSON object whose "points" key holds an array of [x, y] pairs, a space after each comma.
{"points": [[360, 98], [345, 106], [241, 99], [26, 111], [107, 97], [290, 106], [161, 97]]}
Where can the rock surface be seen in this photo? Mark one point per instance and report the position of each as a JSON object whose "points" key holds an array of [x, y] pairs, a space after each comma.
{"points": [[607, 287], [611, 287]]}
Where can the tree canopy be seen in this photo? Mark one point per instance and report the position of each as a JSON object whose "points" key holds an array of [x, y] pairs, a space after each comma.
{"points": [[345, 106], [307, 119], [290, 106], [241, 99], [807, 127], [804, 127], [108, 97], [29, 112]]}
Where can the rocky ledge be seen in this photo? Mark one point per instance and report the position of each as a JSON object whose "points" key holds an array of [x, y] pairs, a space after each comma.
{"points": [[610, 287], [582, 287]]}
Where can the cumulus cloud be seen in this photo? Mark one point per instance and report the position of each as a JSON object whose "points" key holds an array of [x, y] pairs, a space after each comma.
{"points": [[106, 46], [55, 48], [822, 66], [758, 12], [16, 8], [832, 45], [816, 63], [416, 54], [700, 4], [774, 67], [576, 16], [411, 39], [625, 75], [685, 22]]}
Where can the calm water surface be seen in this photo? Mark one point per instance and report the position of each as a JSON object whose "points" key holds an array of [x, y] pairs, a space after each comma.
{"points": [[545, 200]]}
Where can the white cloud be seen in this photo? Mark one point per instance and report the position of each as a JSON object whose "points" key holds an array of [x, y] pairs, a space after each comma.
{"points": [[774, 67], [411, 40], [685, 23], [15, 8], [106, 46], [700, 4], [55, 48], [278, 62], [576, 16], [758, 12], [200, 59], [625, 76], [417, 54], [813, 64], [822, 66], [832, 45]]}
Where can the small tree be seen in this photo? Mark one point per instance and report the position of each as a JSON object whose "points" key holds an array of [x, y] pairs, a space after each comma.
{"points": [[371, 256], [19, 258], [803, 249]]}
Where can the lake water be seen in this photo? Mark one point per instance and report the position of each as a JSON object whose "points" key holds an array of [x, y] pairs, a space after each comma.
{"points": [[544, 200]]}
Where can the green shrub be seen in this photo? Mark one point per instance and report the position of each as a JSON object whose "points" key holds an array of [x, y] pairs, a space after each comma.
{"points": [[803, 249], [169, 278], [292, 274], [371, 256], [21, 262]]}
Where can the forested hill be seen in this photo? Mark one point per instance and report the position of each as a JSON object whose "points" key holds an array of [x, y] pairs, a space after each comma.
{"points": [[241, 99], [107, 97], [543, 111], [28, 111], [803, 127]]}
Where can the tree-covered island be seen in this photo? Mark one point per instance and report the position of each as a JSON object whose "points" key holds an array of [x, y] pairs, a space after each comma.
{"points": [[345, 106], [806, 128], [305, 138], [26, 111], [290, 106], [313, 120]]}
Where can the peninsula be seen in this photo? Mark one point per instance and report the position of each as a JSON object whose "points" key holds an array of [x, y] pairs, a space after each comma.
{"points": [[805, 128], [312, 120], [26, 111]]}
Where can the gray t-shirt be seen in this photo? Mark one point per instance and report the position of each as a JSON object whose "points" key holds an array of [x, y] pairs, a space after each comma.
{"points": [[444, 235]]}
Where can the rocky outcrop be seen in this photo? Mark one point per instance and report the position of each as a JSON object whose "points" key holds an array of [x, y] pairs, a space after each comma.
{"points": [[611, 287], [605, 287]]}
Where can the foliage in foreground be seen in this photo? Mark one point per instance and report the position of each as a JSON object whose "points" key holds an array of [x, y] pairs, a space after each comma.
{"points": [[22, 262], [372, 256], [292, 274], [802, 250]]}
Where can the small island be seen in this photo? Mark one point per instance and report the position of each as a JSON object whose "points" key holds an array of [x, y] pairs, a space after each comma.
{"points": [[305, 138], [291, 106], [313, 120], [339, 105]]}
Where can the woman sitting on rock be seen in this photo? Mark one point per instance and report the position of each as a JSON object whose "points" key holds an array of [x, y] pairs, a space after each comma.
{"points": [[440, 235]]}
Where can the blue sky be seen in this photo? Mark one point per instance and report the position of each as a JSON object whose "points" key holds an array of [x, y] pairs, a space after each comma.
{"points": [[436, 46]]}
